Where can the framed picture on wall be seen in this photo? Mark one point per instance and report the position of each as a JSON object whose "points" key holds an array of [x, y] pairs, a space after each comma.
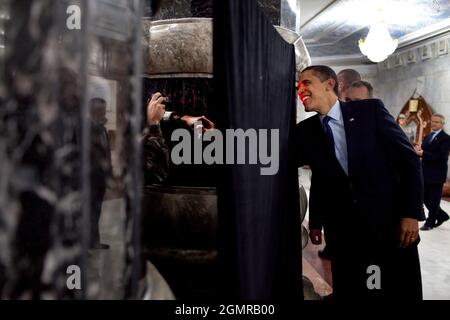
{"points": [[442, 47], [385, 65], [398, 60], [411, 56], [425, 52]]}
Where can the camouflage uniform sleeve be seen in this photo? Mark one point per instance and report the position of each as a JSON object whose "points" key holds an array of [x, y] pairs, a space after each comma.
{"points": [[156, 155]]}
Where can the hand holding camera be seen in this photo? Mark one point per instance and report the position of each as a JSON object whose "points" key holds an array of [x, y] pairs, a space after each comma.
{"points": [[155, 109]]}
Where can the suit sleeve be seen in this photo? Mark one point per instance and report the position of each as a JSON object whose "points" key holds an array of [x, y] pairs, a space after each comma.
{"points": [[315, 210], [156, 156], [440, 155], [405, 161], [301, 148], [303, 159]]}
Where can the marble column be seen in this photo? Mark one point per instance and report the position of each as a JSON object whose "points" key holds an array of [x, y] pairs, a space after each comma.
{"points": [[49, 172]]}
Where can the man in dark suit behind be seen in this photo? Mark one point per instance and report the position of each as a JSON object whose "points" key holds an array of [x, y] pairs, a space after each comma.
{"points": [[366, 190], [434, 153], [101, 167]]}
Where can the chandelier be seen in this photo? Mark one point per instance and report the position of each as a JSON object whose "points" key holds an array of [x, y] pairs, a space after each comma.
{"points": [[378, 44]]}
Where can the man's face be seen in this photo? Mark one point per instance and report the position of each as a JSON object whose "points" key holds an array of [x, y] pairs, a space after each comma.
{"points": [[436, 123], [342, 88], [99, 113], [402, 122], [356, 94], [313, 92]]}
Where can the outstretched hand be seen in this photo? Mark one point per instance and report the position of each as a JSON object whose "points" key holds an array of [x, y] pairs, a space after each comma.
{"points": [[155, 109], [204, 122]]}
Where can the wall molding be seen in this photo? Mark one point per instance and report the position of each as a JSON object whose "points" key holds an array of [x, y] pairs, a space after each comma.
{"points": [[425, 50]]}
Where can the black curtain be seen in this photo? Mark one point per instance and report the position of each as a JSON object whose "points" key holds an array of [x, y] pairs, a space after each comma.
{"points": [[259, 217]]}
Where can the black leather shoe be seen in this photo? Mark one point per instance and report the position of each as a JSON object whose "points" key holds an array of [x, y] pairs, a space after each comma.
{"points": [[441, 221], [425, 227], [324, 254], [328, 297], [100, 246]]}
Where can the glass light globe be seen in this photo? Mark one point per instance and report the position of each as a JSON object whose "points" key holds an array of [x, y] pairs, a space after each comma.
{"points": [[378, 44]]}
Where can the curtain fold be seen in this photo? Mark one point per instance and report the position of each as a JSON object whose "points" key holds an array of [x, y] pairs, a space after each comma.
{"points": [[259, 216]]}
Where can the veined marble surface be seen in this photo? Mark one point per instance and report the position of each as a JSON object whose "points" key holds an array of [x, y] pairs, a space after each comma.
{"points": [[51, 171], [178, 46], [175, 9]]}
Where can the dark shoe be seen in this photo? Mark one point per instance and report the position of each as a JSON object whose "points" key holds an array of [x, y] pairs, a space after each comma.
{"points": [[328, 297], [100, 246], [426, 227], [441, 221], [324, 254]]}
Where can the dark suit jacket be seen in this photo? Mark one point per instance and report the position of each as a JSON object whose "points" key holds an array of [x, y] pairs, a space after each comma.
{"points": [[435, 157], [100, 155], [361, 211]]}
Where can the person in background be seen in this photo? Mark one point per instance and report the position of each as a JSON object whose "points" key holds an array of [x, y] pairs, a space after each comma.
{"points": [[408, 129], [156, 150], [434, 153], [360, 90], [101, 167], [345, 78]]}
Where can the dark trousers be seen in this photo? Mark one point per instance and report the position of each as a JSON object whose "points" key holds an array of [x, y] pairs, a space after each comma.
{"points": [[98, 190], [398, 271], [432, 199]]}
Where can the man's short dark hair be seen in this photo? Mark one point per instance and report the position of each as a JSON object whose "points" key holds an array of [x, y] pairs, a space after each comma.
{"points": [[98, 100], [349, 76], [95, 103], [360, 84], [324, 73]]}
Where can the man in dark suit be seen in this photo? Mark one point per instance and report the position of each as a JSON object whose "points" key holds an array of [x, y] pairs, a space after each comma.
{"points": [[345, 78], [366, 190], [101, 168], [351, 88], [434, 153]]}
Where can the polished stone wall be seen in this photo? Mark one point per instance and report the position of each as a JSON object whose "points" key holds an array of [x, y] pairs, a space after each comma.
{"points": [[178, 46], [175, 9], [61, 171], [425, 67]]}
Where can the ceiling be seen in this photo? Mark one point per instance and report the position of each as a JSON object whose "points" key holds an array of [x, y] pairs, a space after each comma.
{"points": [[332, 29]]}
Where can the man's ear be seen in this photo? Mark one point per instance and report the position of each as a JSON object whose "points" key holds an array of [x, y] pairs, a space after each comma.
{"points": [[330, 84]]}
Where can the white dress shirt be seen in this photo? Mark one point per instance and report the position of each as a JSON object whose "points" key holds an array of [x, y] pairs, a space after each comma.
{"points": [[337, 127]]}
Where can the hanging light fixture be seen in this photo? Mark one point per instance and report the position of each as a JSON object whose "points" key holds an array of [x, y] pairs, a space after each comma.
{"points": [[378, 44]]}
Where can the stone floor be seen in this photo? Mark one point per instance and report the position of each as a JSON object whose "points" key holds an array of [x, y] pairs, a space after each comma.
{"points": [[434, 252], [106, 266]]}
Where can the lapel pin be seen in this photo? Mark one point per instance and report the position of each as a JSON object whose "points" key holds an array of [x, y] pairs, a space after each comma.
{"points": [[351, 119]]}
